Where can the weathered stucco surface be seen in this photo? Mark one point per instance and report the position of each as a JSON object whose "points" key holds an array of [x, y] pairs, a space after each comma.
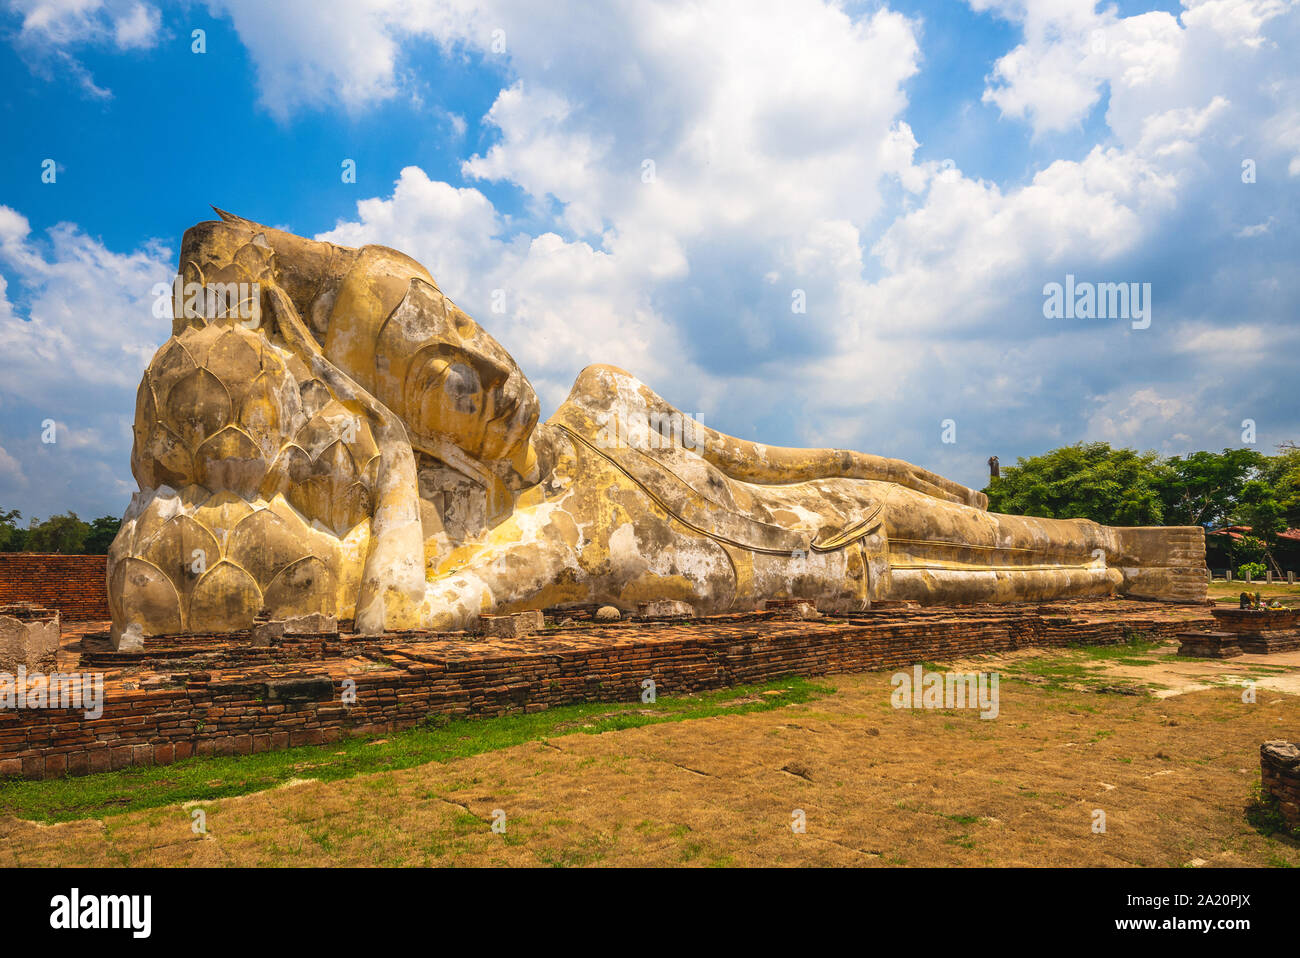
{"points": [[28, 640], [350, 442]]}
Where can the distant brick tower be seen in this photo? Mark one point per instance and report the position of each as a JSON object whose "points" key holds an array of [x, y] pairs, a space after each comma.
{"points": [[994, 471]]}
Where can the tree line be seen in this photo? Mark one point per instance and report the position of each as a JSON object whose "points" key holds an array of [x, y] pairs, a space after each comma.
{"points": [[65, 533], [1122, 487]]}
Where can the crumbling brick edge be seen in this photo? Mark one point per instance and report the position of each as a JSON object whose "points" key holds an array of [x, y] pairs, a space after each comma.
{"points": [[202, 715], [1279, 773]]}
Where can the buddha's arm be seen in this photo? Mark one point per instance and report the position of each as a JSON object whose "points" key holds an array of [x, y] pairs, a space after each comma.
{"points": [[392, 583], [770, 465], [603, 394]]}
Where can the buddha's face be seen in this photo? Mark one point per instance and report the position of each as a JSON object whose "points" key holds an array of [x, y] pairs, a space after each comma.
{"points": [[429, 362], [379, 316]]}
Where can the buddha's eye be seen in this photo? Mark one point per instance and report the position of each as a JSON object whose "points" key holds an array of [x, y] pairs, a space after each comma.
{"points": [[462, 386]]}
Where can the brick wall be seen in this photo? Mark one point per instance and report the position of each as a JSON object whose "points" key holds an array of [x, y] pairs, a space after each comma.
{"points": [[72, 584], [415, 676], [1279, 772]]}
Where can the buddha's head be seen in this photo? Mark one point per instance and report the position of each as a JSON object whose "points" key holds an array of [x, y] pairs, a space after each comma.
{"points": [[379, 317]]}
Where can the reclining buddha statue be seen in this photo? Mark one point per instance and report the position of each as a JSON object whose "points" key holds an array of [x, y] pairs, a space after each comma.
{"points": [[325, 431]]}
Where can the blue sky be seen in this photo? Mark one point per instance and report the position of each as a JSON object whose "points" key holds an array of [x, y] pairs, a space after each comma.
{"points": [[919, 170]]}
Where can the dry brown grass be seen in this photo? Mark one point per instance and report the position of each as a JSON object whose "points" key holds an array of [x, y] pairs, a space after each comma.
{"points": [[878, 786]]}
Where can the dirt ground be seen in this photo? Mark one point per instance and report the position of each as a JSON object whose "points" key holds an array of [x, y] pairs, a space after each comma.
{"points": [[1171, 768]]}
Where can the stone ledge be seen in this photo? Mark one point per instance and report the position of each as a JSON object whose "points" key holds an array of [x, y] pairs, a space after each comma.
{"points": [[29, 638], [1209, 645], [512, 625]]}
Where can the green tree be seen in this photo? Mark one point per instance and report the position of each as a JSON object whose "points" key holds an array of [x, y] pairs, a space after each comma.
{"points": [[1205, 487], [1282, 474], [1248, 549], [1085, 481], [64, 533], [12, 536], [1259, 508], [102, 532]]}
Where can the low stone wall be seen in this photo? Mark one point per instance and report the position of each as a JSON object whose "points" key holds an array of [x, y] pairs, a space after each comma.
{"points": [[1279, 772], [160, 707], [29, 638], [75, 585]]}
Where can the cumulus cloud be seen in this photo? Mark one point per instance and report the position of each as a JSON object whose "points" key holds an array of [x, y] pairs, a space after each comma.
{"points": [[77, 328], [352, 56], [51, 31], [1126, 418], [707, 163], [1149, 62], [126, 24], [695, 173], [562, 304], [11, 471]]}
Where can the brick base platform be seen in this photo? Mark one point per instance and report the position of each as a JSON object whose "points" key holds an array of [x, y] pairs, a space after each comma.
{"points": [[204, 695], [1261, 631], [1269, 642]]}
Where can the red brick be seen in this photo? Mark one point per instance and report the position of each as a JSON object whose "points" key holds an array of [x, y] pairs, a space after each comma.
{"points": [[100, 760], [73, 584]]}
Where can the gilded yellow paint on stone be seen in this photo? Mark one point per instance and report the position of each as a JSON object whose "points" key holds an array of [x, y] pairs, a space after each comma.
{"points": [[326, 431]]}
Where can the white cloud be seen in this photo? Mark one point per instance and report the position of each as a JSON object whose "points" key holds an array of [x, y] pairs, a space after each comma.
{"points": [[1238, 21], [1071, 51], [1239, 343], [1255, 229], [127, 24], [768, 163], [51, 30], [6, 308], [137, 28], [307, 58], [90, 318], [1129, 418], [784, 161], [706, 161], [76, 332], [11, 471]]}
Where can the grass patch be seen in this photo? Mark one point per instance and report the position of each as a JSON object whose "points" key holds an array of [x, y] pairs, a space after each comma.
{"points": [[1266, 818], [439, 740], [1082, 666], [1134, 646], [1288, 595]]}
